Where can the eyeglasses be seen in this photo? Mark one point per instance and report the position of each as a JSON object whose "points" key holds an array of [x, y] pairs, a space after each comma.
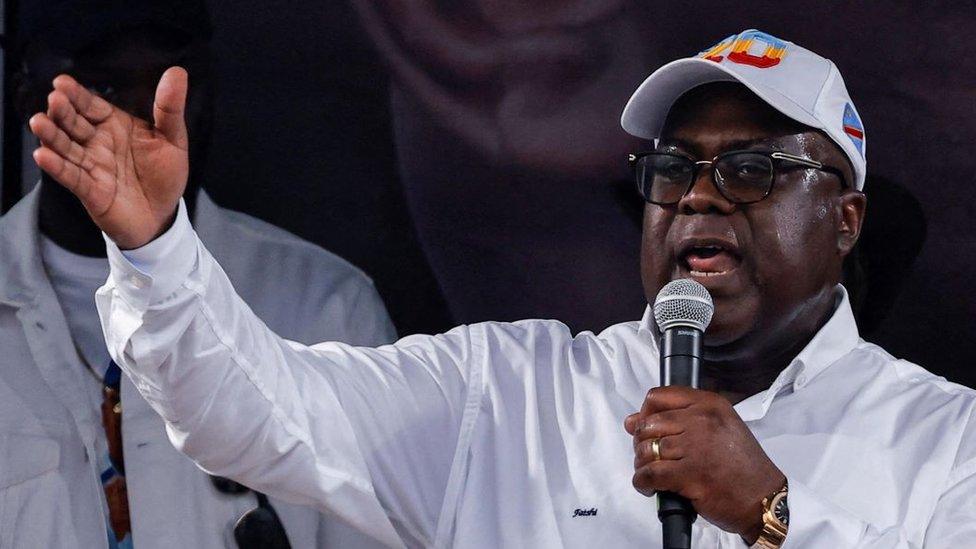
{"points": [[259, 528], [741, 177]]}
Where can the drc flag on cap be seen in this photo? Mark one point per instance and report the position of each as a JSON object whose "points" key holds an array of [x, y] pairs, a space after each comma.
{"points": [[853, 128]]}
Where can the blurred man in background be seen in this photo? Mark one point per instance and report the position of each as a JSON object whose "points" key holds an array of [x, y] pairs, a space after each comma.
{"points": [[84, 460]]}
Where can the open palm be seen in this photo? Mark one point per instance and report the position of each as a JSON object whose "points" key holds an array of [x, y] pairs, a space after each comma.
{"points": [[128, 173]]}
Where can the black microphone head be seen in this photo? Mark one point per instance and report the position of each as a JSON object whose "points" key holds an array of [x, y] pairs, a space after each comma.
{"points": [[683, 302]]}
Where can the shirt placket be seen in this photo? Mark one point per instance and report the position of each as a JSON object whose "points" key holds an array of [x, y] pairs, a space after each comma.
{"points": [[61, 373], [49, 342]]}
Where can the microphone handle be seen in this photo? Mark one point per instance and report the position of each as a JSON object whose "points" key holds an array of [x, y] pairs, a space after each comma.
{"points": [[681, 350], [676, 515]]}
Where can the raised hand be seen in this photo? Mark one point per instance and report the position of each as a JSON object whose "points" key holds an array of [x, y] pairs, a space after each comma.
{"points": [[129, 174]]}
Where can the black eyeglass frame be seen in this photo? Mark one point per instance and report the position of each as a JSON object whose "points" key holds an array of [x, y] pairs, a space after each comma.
{"points": [[698, 165]]}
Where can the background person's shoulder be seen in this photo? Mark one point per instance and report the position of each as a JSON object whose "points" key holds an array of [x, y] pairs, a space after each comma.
{"points": [[299, 289], [249, 238]]}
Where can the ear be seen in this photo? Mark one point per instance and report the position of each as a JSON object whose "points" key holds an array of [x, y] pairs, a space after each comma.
{"points": [[852, 205]]}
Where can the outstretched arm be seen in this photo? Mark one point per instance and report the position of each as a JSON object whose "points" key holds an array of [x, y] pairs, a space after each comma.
{"points": [[369, 435]]}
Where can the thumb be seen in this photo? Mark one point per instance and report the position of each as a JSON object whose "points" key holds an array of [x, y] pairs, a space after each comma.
{"points": [[169, 106]]}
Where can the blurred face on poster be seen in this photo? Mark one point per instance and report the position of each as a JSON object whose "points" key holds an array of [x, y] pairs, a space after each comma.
{"points": [[532, 85]]}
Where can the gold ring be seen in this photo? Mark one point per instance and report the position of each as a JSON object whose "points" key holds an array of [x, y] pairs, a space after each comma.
{"points": [[656, 449]]}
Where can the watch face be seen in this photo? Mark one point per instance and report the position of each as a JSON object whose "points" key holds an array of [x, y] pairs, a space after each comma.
{"points": [[781, 511]]}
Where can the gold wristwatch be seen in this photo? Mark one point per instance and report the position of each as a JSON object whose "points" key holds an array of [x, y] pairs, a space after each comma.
{"points": [[776, 520]]}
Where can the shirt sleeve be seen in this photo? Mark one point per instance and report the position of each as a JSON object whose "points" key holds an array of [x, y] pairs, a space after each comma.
{"points": [[366, 434], [817, 522]]}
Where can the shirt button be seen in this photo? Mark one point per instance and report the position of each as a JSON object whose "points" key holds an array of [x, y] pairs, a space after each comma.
{"points": [[801, 380], [137, 282]]}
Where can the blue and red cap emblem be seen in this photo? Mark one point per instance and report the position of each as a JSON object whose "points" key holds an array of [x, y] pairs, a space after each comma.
{"points": [[853, 128]]}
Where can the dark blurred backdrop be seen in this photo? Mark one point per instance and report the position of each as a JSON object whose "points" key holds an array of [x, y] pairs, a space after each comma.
{"points": [[468, 154]]}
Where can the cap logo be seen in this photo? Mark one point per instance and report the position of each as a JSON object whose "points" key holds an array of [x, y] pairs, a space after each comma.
{"points": [[853, 128], [752, 47]]}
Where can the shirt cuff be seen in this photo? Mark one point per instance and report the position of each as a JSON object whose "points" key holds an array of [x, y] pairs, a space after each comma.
{"points": [[149, 274]]}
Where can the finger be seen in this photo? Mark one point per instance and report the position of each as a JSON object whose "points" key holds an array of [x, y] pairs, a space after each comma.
{"points": [[673, 397], [64, 115], [661, 424], [89, 105], [630, 423], [169, 106], [53, 137], [669, 449], [64, 172], [657, 476]]}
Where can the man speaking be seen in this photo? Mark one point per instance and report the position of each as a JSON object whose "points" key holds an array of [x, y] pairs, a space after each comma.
{"points": [[509, 434]]}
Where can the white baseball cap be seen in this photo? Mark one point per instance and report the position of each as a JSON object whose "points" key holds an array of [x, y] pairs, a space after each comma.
{"points": [[793, 80]]}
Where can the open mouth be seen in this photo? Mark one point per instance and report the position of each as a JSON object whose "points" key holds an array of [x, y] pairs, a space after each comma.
{"points": [[705, 260]]}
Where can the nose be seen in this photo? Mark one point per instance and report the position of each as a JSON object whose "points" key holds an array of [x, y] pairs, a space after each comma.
{"points": [[703, 197]]}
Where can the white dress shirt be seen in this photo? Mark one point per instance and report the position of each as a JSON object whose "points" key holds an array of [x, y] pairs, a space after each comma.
{"points": [[494, 434], [51, 436]]}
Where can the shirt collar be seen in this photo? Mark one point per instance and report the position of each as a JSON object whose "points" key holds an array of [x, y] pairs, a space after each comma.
{"points": [[21, 271], [646, 327], [207, 215], [837, 337]]}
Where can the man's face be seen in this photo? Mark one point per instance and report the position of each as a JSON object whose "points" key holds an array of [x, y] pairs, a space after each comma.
{"points": [[765, 264]]}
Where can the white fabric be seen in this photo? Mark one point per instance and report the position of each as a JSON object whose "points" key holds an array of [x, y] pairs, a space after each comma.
{"points": [[493, 434], [74, 279], [50, 425], [797, 82]]}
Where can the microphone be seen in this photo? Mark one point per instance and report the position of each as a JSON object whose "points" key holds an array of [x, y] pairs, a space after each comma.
{"points": [[683, 309]]}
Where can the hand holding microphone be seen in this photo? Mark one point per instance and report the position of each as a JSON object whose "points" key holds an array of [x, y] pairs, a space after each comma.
{"points": [[692, 443]]}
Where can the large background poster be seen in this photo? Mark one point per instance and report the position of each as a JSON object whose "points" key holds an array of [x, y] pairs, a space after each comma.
{"points": [[468, 155]]}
